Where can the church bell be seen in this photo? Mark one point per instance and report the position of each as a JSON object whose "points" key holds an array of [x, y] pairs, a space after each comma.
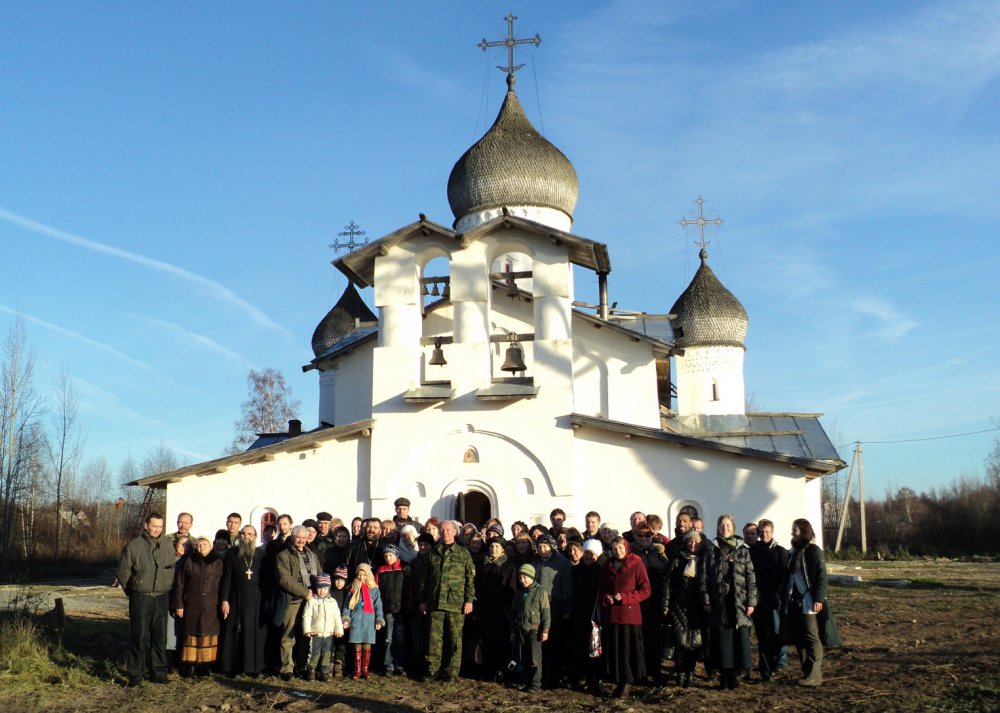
{"points": [[437, 355], [514, 362]]}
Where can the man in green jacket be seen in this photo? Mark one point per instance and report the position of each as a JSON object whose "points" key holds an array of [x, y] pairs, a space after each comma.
{"points": [[146, 573], [447, 590]]}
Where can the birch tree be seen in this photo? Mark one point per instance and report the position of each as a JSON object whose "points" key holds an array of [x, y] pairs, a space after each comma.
{"points": [[268, 408]]}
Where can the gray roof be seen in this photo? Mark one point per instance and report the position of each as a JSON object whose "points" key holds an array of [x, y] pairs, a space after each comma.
{"points": [[512, 165], [353, 339], [707, 313], [359, 266], [795, 439], [341, 320]]}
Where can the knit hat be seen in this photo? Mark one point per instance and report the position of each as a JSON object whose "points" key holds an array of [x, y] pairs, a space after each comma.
{"points": [[546, 540], [310, 523], [608, 526], [691, 534], [426, 537], [593, 546], [340, 573], [408, 529], [528, 570], [322, 580], [390, 550], [498, 529]]}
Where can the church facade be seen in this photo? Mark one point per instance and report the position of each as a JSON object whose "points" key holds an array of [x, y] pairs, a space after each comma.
{"points": [[501, 398]]}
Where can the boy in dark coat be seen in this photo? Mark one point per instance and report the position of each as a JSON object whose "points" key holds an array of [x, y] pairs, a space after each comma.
{"points": [[530, 620]]}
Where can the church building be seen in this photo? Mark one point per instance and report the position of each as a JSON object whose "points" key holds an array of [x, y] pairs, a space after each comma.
{"points": [[484, 389]]}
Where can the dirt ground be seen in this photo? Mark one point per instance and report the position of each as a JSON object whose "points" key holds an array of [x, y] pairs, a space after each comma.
{"points": [[923, 639]]}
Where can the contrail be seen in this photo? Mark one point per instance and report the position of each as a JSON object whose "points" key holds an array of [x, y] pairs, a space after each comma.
{"points": [[199, 339], [211, 286]]}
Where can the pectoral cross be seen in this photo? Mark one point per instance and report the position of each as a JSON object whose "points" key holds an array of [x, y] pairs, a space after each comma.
{"points": [[249, 572]]}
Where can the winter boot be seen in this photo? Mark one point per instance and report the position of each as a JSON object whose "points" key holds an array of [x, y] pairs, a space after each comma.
{"points": [[357, 662], [310, 675], [366, 659], [321, 674]]}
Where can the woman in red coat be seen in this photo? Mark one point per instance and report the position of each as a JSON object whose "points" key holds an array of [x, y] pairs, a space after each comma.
{"points": [[624, 584]]}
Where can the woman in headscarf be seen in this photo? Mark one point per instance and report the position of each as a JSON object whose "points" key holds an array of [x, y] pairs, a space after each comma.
{"points": [[732, 590], [496, 582], [624, 585], [685, 604], [196, 603]]}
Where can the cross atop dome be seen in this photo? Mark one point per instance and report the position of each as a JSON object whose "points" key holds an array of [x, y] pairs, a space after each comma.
{"points": [[701, 221], [510, 42]]}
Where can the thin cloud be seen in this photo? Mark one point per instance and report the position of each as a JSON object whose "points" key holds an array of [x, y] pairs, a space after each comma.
{"points": [[100, 346], [210, 286], [200, 341], [99, 402], [892, 323]]}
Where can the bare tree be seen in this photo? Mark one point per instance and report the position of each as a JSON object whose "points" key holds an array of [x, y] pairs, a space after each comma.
{"points": [[267, 409], [64, 447], [20, 410]]}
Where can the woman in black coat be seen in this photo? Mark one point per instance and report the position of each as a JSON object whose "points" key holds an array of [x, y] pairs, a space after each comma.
{"points": [[685, 604], [196, 602], [805, 599], [732, 590], [496, 582]]}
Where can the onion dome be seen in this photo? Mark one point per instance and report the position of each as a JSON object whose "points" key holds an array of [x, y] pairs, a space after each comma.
{"points": [[340, 321], [707, 313], [512, 165]]}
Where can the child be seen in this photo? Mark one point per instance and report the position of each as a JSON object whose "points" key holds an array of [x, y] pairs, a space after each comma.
{"points": [[321, 624], [390, 578], [363, 617], [530, 619], [340, 643]]}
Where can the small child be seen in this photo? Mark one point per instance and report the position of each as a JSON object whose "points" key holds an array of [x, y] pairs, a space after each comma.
{"points": [[321, 623], [530, 619], [340, 643], [363, 617], [391, 578]]}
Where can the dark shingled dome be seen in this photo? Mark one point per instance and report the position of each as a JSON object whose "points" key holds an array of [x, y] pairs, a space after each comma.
{"points": [[339, 321], [707, 313], [512, 165]]}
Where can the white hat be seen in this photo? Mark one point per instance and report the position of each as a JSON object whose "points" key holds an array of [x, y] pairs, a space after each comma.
{"points": [[593, 546], [608, 526]]}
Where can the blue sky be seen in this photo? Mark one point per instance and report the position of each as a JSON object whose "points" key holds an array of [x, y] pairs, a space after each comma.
{"points": [[171, 175]]}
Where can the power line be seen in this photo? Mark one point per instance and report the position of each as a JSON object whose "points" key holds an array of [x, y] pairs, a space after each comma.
{"points": [[928, 438]]}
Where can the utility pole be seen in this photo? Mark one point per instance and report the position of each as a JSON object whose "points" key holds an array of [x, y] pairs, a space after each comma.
{"points": [[855, 459]]}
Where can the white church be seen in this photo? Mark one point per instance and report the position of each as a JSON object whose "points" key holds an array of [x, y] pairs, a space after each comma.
{"points": [[488, 391]]}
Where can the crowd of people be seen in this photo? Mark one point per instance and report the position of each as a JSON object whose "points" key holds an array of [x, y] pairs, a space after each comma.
{"points": [[539, 606]]}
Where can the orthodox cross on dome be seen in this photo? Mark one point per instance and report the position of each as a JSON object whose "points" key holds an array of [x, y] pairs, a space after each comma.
{"points": [[701, 221], [510, 42], [351, 231]]}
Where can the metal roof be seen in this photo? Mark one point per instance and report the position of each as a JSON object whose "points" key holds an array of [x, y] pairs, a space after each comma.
{"points": [[707, 313], [341, 320], [355, 338], [795, 439]]}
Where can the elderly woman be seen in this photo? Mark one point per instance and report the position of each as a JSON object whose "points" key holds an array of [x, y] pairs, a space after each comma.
{"points": [[196, 604], [624, 586], [732, 590], [685, 604], [805, 600], [496, 582]]}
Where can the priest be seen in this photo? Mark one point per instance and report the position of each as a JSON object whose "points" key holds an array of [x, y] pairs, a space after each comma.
{"points": [[244, 625]]}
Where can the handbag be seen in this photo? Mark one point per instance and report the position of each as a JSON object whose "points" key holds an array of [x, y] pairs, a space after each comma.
{"points": [[668, 641], [689, 639], [594, 650]]}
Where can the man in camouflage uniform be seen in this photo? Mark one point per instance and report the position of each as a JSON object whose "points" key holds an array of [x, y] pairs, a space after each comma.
{"points": [[446, 595]]}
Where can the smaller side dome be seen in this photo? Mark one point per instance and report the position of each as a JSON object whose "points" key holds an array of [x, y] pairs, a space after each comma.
{"points": [[340, 321], [512, 165], [707, 313]]}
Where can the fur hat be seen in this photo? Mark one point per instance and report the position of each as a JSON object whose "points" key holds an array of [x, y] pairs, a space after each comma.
{"points": [[593, 546]]}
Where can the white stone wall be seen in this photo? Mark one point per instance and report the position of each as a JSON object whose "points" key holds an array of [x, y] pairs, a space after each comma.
{"points": [[546, 216], [698, 370]]}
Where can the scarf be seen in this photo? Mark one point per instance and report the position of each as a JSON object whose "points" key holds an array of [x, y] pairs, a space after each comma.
{"points": [[361, 590], [305, 568], [691, 568], [731, 541]]}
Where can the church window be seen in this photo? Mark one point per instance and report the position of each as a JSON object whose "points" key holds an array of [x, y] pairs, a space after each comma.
{"points": [[715, 390]]}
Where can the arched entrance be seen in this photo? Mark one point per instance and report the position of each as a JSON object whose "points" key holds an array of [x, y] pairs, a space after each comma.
{"points": [[473, 506]]}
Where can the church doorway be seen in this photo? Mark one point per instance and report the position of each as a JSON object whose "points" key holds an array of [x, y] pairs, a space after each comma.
{"points": [[473, 506]]}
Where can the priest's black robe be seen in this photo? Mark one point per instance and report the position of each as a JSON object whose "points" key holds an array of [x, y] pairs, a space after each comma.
{"points": [[245, 629]]}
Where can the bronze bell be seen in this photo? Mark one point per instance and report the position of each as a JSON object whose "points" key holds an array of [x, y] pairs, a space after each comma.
{"points": [[514, 362], [437, 355]]}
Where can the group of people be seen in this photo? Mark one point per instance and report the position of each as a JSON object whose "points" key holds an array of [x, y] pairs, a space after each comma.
{"points": [[536, 606]]}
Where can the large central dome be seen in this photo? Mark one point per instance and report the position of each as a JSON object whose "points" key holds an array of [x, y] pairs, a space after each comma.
{"points": [[512, 166]]}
